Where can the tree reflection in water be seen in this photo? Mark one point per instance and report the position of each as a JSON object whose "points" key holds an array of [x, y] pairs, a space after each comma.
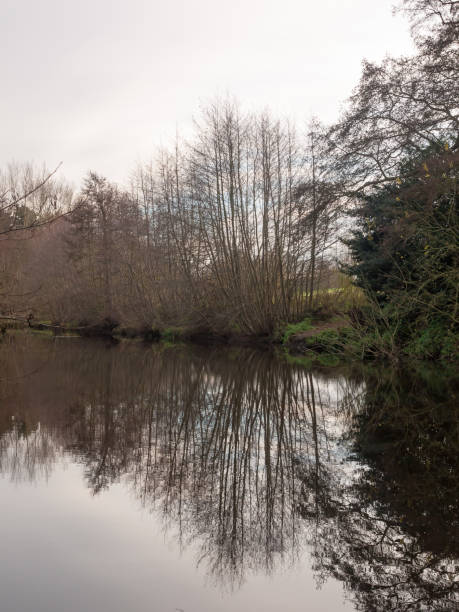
{"points": [[253, 459]]}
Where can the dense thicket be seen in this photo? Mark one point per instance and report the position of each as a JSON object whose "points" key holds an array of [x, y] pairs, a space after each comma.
{"points": [[397, 144], [405, 253]]}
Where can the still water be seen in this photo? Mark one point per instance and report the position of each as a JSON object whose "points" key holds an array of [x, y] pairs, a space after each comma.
{"points": [[152, 478]]}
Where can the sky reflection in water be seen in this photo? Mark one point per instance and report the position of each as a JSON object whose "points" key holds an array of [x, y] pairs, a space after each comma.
{"points": [[151, 478]]}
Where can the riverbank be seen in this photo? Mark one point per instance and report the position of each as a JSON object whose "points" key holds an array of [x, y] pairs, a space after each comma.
{"points": [[323, 339]]}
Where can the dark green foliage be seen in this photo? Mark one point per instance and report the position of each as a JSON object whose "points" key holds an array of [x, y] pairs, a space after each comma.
{"points": [[405, 254], [373, 263], [329, 340]]}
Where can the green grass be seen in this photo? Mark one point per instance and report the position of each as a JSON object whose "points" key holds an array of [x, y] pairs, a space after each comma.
{"points": [[172, 334], [295, 328]]}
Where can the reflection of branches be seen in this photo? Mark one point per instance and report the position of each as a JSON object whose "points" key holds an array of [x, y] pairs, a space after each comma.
{"points": [[246, 456], [27, 455], [383, 566], [215, 444], [392, 530], [221, 467]]}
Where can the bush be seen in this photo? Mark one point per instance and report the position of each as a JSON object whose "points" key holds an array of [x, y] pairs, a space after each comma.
{"points": [[406, 258]]}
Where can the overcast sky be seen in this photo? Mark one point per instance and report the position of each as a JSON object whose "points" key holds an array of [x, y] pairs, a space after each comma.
{"points": [[100, 84]]}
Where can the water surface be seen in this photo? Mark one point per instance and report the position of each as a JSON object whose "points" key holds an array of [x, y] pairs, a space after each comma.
{"points": [[158, 478]]}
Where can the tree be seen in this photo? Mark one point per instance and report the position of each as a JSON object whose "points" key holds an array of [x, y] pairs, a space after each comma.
{"points": [[31, 199], [318, 203], [406, 255], [94, 244], [403, 105]]}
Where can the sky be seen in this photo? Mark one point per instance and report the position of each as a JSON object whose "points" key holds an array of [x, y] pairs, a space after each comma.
{"points": [[103, 84]]}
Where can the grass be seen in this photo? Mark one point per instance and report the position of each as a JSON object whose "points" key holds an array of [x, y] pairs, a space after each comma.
{"points": [[172, 334], [295, 328]]}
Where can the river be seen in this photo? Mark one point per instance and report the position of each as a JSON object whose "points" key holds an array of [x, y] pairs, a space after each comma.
{"points": [[139, 478]]}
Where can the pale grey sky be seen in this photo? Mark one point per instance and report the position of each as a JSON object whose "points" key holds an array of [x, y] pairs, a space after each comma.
{"points": [[100, 84]]}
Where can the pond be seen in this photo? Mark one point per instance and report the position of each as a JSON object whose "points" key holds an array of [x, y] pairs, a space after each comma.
{"points": [[167, 478]]}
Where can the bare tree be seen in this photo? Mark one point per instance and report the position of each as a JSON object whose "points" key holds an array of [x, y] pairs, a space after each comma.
{"points": [[31, 199], [403, 105]]}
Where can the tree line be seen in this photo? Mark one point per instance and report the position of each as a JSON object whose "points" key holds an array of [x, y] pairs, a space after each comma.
{"points": [[239, 229]]}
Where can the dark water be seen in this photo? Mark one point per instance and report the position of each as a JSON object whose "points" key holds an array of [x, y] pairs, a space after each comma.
{"points": [[138, 478]]}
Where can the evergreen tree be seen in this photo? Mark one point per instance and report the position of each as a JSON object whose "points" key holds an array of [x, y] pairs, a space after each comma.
{"points": [[405, 252]]}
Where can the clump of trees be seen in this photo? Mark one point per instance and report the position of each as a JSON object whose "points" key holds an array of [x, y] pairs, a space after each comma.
{"points": [[231, 232], [405, 253], [398, 145], [236, 230], [31, 198]]}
